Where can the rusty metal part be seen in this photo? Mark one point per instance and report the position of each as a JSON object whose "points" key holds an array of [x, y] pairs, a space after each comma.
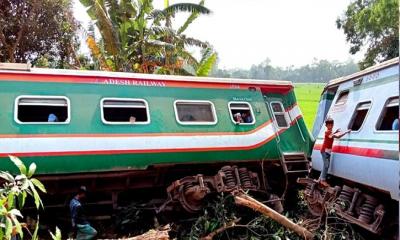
{"points": [[349, 203], [317, 197], [363, 210], [190, 191], [345, 198], [314, 199]]}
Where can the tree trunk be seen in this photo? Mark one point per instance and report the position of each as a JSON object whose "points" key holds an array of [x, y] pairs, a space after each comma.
{"points": [[152, 234], [11, 57], [244, 200]]}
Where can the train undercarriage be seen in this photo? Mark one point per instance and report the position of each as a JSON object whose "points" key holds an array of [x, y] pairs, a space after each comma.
{"points": [[185, 187], [162, 187], [353, 203]]}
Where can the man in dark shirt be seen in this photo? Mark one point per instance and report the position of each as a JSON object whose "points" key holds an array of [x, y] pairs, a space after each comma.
{"points": [[78, 218]]}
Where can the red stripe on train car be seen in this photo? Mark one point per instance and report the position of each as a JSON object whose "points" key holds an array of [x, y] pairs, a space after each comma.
{"points": [[283, 89], [366, 152]]}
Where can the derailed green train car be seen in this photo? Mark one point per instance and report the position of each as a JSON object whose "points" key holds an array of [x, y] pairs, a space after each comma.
{"points": [[88, 124]]}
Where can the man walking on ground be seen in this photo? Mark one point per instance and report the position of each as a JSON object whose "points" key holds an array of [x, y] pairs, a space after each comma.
{"points": [[79, 221]]}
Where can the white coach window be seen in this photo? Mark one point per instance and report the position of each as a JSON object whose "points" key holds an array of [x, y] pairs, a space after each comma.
{"points": [[241, 113], [190, 112], [124, 111], [280, 115], [42, 110]]}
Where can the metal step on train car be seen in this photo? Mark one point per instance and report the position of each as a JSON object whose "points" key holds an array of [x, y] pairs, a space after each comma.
{"points": [[117, 131], [364, 163]]}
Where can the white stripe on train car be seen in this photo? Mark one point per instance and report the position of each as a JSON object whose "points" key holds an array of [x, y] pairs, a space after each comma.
{"points": [[66, 144], [123, 143], [380, 172]]}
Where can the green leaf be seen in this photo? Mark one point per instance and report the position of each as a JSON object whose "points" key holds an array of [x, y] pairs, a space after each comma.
{"points": [[15, 212], [186, 7], [6, 176], [36, 197], [38, 184], [10, 200], [56, 236], [8, 228], [190, 19], [206, 67], [35, 233], [19, 164], [32, 169], [21, 199]]}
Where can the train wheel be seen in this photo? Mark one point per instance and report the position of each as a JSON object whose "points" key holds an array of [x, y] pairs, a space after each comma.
{"points": [[314, 200]]}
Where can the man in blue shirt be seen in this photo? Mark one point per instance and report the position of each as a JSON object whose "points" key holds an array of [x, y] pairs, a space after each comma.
{"points": [[78, 218], [395, 124]]}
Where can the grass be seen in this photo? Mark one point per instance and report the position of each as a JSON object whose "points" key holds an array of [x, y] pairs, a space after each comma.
{"points": [[308, 95]]}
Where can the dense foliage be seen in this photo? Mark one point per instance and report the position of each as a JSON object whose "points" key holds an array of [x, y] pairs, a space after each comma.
{"points": [[35, 29], [136, 37], [13, 196], [373, 26], [320, 71]]}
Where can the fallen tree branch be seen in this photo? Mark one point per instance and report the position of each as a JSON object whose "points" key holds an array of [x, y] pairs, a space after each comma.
{"points": [[247, 201], [221, 229], [161, 234]]}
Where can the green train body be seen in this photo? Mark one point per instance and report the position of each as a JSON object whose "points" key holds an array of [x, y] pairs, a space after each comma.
{"points": [[85, 141]]}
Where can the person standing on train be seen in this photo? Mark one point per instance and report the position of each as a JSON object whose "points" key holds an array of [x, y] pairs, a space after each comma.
{"points": [[78, 217], [326, 149]]}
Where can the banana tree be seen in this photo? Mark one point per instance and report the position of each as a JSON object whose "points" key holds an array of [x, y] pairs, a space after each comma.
{"points": [[136, 37]]}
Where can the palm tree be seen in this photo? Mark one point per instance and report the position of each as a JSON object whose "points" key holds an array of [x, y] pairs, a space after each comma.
{"points": [[137, 37]]}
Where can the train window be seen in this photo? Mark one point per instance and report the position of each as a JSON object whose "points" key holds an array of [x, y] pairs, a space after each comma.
{"points": [[195, 112], [389, 115], [124, 111], [41, 110], [241, 113], [359, 116], [279, 115], [342, 99]]}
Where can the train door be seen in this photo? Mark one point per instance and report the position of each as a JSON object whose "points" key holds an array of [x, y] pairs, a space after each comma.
{"points": [[290, 140], [323, 109]]}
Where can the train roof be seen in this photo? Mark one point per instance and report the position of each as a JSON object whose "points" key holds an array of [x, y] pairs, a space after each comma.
{"points": [[337, 81], [25, 69]]}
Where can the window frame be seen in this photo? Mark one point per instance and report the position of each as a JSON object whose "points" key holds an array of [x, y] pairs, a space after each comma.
{"points": [[354, 112], [342, 92], [379, 120], [285, 114], [251, 111], [191, 122], [67, 121], [127, 122]]}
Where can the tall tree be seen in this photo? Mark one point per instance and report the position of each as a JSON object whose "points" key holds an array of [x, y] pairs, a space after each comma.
{"points": [[136, 37], [32, 29], [373, 25]]}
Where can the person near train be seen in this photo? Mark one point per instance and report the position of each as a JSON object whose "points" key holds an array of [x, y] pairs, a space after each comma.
{"points": [[238, 118], [52, 118], [247, 117], [326, 149], [395, 124], [84, 231]]}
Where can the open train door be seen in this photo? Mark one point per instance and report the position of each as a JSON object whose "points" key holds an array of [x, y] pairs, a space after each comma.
{"points": [[325, 103]]}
